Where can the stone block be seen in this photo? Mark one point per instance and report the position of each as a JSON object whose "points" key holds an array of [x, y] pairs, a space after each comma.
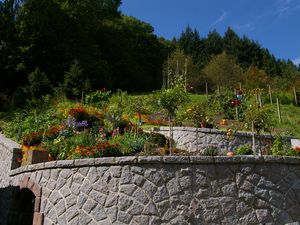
{"points": [[176, 159], [38, 218], [34, 156]]}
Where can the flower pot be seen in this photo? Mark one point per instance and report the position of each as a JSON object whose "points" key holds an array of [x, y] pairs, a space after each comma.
{"points": [[34, 156]]}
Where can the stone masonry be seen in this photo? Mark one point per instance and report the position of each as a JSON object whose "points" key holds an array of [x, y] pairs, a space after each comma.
{"points": [[186, 139], [168, 190]]}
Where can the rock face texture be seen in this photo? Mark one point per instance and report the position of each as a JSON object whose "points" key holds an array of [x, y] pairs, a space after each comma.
{"points": [[186, 139], [168, 190]]}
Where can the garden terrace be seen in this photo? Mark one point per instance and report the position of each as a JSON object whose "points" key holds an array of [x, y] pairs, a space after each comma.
{"points": [[186, 139], [160, 190]]}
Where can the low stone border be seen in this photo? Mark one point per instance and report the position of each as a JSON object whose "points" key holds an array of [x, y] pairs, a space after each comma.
{"points": [[156, 160]]}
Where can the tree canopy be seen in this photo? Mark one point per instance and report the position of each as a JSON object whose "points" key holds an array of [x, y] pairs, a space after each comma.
{"points": [[116, 51]]}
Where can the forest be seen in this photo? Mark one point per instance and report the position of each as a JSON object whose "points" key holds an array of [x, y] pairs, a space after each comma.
{"points": [[71, 47]]}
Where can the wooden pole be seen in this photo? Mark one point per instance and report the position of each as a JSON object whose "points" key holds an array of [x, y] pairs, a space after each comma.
{"points": [[218, 89], [237, 112], [240, 85], [256, 98], [185, 74], [270, 94], [177, 68], [253, 138], [278, 110], [295, 96], [260, 100], [168, 74]]}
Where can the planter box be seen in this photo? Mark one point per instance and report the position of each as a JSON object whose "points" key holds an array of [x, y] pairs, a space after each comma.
{"points": [[34, 156]]}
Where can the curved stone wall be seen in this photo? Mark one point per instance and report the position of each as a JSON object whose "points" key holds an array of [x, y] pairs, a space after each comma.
{"points": [[185, 138], [167, 190]]}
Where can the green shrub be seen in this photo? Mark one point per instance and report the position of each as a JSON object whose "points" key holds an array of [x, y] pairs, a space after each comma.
{"points": [[130, 143], [282, 149], [157, 139], [278, 147], [244, 150], [211, 151], [284, 98], [97, 98]]}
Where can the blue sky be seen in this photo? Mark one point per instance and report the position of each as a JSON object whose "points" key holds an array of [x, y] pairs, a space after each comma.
{"points": [[275, 24]]}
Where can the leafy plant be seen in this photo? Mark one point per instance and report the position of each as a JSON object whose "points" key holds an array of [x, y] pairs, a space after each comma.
{"points": [[261, 117], [98, 98], [244, 150], [280, 148], [211, 151], [129, 143]]}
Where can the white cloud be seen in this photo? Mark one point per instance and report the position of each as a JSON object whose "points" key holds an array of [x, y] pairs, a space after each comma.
{"points": [[284, 7], [296, 61], [221, 18]]}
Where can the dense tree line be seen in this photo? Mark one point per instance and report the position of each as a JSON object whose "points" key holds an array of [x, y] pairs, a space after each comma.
{"points": [[52, 40], [229, 59], [75, 46]]}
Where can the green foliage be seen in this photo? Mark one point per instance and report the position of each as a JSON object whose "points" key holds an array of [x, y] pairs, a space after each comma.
{"points": [[197, 113], [284, 98], [75, 82], [157, 139], [172, 99], [39, 85], [223, 70], [221, 103], [244, 150], [130, 143], [211, 151], [261, 117], [97, 98], [279, 147]]}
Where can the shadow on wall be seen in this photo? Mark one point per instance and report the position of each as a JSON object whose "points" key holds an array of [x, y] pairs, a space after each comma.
{"points": [[6, 196], [16, 206]]}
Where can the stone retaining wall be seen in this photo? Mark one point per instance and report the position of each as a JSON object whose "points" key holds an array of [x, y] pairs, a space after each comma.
{"points": [[185, 139], [167, 190], [9, 151]]}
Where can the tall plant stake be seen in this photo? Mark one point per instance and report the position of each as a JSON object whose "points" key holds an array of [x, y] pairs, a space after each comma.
{"points": [[278, 110], [253, 138], [295, 96], [270, 94]]}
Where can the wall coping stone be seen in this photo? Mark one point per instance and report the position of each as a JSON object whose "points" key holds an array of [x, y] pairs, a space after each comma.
{"points": [[8, 143], [140, 160]]}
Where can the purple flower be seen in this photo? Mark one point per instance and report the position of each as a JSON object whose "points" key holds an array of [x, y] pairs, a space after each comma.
{"points": [[83, 123]]}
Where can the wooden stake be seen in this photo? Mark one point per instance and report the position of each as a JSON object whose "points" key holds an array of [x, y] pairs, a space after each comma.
{"points": [[218, 89], [295, 96], [237, 113], [278, 110], [177, 68], [260, 100], [253, 138], [270, 94], [185, 74], [170, 135], [240, 86]]}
